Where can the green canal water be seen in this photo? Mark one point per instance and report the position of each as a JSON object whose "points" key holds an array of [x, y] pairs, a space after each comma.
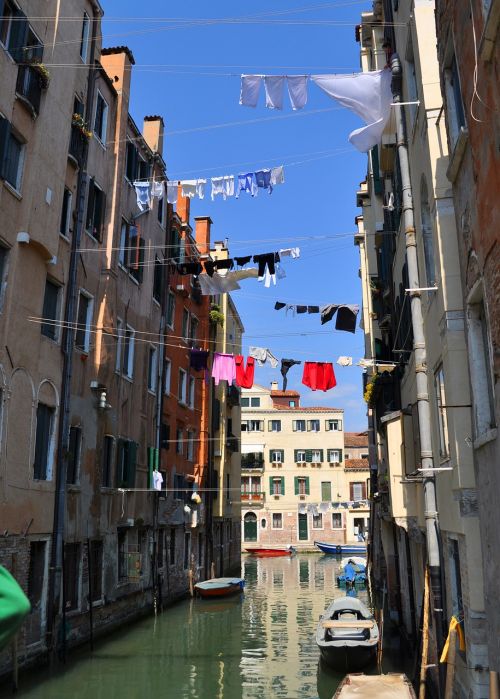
{"points": [[259, 645]]}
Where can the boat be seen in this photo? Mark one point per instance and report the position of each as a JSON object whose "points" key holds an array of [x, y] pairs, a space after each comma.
{"points": [[358, 562], [350, 576], [347, 635], [340, 549], [271, 552], [390, 686], [219, 587]]}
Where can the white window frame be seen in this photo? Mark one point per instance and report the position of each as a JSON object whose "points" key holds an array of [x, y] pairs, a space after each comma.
{"points": [[331, 458], [119, 345], [88, 321], [320, 515], [295, 424], [191, 391], [167, 376], [129, 338], [333, 425], [259, 428], [452, 109], [341, 520], [302, 485], [316, 460], [9, 27], [20, 164], [311, 424], [101, 137], [276, 514], [301, 452], [182, 387], [356, 484], [276, 456], [51, 444], [69, 211], [271, 426], [84, 41], [482, 380], [441, 414], [190, 445], [152, 368]]}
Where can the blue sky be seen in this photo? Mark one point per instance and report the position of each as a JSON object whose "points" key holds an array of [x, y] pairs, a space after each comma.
{"points": [[189, 73]]}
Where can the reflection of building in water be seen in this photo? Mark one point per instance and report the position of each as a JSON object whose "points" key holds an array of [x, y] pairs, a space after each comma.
{"points": [[285, 598]]}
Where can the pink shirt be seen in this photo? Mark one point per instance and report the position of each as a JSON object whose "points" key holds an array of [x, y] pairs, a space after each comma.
{"points": [[223, 368]]}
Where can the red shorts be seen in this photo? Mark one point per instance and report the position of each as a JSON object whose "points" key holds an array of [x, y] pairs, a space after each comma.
{"points": [[319, 376]]}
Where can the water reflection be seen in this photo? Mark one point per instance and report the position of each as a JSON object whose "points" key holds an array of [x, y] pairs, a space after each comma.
{"points": [[255, 646]]}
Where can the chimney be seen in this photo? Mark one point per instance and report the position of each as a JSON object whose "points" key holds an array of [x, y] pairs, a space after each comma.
{"points": [[117, 62], [274, 385], [183, 206], [203, 225], [152, 130]]}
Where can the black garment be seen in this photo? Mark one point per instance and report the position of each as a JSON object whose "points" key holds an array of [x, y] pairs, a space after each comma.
{"points": [[198, 359], [189, 268], [279, 305], [213, 265], [267, 260], [210, 267], [346, 318], [301, 309], [313, 309], [327, 312], [286, 364], [242, 261]]}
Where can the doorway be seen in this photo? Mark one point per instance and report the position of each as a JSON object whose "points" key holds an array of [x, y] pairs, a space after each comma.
{"points": [[250, 527], [303, 531]]}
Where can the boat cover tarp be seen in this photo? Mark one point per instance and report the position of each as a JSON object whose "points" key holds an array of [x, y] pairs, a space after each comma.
{"points": [[376, 687], [349, 573]]}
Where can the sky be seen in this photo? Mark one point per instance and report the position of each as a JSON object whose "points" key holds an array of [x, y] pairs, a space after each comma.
{"points": [[189, 72]]}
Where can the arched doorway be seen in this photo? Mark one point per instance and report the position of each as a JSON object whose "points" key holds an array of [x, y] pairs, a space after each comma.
{"points": [[250, 526]]}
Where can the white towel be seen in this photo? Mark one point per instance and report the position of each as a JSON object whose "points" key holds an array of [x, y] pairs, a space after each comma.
{"points": [[274, 85], [297, 91], [250, 88]]}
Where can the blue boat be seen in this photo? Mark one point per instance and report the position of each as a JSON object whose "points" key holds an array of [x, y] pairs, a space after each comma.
{"points": [[340, 549]]}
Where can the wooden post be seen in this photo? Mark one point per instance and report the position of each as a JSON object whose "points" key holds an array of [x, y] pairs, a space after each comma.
{"points": [[190, 576], [425, 637], [450, 664], [494, 690], [212, 570]]}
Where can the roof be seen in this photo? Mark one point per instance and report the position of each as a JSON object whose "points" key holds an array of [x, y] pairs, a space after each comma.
{"points": [[119, 49], [356, 439], [308, 409], [278, 394], [357, 464]]}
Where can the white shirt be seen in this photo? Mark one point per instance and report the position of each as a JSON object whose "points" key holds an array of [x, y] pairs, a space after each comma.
{"points": [[157, 480]]}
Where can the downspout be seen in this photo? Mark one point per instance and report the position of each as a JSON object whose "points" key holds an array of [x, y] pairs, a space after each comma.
{"points": [[67, 346], [419, 346]]}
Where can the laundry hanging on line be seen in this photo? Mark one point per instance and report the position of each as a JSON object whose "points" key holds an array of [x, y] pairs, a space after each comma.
{"points": [[344, 361], [346, 313], [286, 365], [368, 95], [319, 376], [223, 283], [263, 355], [244, 375]]}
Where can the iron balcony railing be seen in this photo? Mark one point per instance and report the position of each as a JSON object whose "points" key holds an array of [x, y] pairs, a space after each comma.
{"points": [[29, 87], [76, 144]]}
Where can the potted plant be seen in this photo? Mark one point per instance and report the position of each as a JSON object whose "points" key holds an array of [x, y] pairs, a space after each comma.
{"points": [[215, 315], [79, 122], [370, 389], [42, 72]]}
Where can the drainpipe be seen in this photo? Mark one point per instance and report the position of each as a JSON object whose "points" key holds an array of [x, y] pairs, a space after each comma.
{"points": [[419, 346], [67, 347]]}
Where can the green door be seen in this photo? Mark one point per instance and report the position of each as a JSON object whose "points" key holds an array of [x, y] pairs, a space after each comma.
{"points": [[303, 533], [250, 527], [326, 491]]}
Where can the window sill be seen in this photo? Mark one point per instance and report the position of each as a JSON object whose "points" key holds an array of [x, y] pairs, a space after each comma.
{"points": [[98, 140], [73, 612], [485, 438], [487, 43], [15, 193], [64, 237], [130, 379], [156, 302], [27, 105], [107, 490], [73, 488], [457, 155], [52, 340], [92, 237]]}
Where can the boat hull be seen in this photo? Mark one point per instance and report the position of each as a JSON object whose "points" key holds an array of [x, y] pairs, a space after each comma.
{"points": [[340, 549], [219, 591], [219, 587], [349, 658], [270, 553], [375, 686]]}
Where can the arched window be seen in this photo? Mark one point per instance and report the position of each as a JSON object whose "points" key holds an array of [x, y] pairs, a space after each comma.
{"points": [[425, 217]]}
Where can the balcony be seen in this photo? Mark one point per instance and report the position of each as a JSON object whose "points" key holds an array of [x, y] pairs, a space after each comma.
{"points": [[233, 396], [77, 144], [232, 443], [254, 498], [196, 294], [251, 462], [29, 87]]}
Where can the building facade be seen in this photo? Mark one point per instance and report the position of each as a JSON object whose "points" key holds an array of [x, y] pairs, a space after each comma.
{"points": [[295, 484], [469, 59], [415, 345]]}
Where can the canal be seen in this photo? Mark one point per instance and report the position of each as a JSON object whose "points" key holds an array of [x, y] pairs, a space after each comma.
{"points": [[256, 646]]}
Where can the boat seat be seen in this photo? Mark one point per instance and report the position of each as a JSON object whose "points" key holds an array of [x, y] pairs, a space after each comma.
{"points": [[348, 624], [344, 634]]}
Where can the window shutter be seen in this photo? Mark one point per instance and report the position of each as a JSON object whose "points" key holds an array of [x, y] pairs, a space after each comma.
{"points": [[132, 459], [90, 206], [270, 485], [296, 484], [282, 486], [321, 453], [295, 455], [307, 485], [309, 425], [327, 425], [340, 455], [18, 36], [269, 425], [120, 453], [271, 455], [4, 142], [294, 425], [101, 209], [309, 455], [363, 492], [134, 245], [351, 491]]}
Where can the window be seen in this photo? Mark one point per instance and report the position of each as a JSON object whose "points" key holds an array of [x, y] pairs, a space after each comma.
{"points": [[96, 205], [167, 376], [191, 391], [277, 456], [182, 387], [411, 84], [165, 438], [44, 443], [335, 456], [78, 107], [96, 550], [107, 460], [277, 520], [333, 425], [454, 102], [252, 426], [12, 152], [131, 162], [313, 425], [84, 43], [301, 485], [317, 521], [74, 452], [16, 34], [119, 344], [170, 310], [175, 244], [357, 491], [190, 446], [128, 352], [326, 491], [36, 575], [255, 402], [457, 604], [171, 547], [126, 461], [291, 404], [6, 23], [193, 329], [274, 426], [3, 273], [276, 486], [161, 212], [122, 555], [299, 425], [101, 118], [131, 255], [64, 224], [187, 549], [179, 486], [481, 368], [152, 368], [71, 576], [179, 443], [50, 309], [336, 520], [245, 402], [157, 280], [85, 310], [428, 241], [144, 170], [185, 324], [300, 456], [317, 456], [442, 418]]}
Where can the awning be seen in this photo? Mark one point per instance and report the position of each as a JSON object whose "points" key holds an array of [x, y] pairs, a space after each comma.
{"points": [[252, 448]]}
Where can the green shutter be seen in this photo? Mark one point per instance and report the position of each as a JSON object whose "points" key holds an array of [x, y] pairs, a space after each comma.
{"points": [[296, 484], [307, 485], [282, 485], [309, 455], [271, 455], [340, 455], [321, 455], [377, 181], [282, 453], [132, 460], [295, 454], [270, 485], [150, 466]]}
